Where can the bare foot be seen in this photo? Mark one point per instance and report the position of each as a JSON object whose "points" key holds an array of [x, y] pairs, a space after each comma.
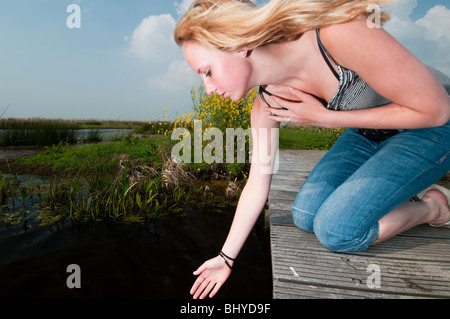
{"points": [[439, 207]]}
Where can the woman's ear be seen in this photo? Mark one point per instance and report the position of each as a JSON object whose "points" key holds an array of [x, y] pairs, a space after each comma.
{"points": [[245, 53]]}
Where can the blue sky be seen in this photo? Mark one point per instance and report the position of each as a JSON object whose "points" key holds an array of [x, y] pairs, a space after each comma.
{"points": [[123, 64]]}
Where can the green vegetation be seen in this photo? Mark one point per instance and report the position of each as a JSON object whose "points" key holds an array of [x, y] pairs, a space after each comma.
{"points": [[36, 132], [308, 138], [13, 123], [43, 132], [132, 178]]}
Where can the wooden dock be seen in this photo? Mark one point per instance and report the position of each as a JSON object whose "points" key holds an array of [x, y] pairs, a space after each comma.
{"points": [[415, 264]]}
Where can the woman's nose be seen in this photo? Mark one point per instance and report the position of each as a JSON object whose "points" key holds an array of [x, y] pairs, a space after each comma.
{"points": [[210, 89]]}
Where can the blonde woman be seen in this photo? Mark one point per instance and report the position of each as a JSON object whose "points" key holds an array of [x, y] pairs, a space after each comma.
{"points": [[320, 63]]}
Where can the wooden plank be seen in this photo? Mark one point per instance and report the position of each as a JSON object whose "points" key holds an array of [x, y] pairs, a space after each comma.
{"points": [[286, 291], [415, 264], [310, 263], [298, 258]]}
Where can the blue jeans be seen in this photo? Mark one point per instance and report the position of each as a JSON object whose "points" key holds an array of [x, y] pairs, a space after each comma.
{"points": [[359, 181]]}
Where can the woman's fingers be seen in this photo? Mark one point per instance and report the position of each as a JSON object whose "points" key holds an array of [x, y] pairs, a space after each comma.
{"points": [[200, 270], [207, 290], [196, 284], [299, 93], [216, 289], [278, 112], [201, 288], [304, 109], [279, 115], [279, 103]]}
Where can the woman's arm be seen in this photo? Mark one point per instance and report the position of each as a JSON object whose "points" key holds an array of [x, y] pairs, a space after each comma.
{"points": [[256, 191], [214, 272], [418, 99]]}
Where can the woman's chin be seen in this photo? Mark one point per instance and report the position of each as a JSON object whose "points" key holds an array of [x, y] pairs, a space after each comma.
{"points": [[235, 98]]}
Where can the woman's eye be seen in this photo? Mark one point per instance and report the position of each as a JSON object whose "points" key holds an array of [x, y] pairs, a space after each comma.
{"points": [[208, 74]]}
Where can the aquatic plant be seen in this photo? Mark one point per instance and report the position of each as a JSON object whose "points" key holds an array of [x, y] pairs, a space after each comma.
{"points": [[8, 188]]}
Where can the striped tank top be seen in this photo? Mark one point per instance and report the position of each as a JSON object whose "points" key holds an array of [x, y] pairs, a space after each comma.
{"points": [[353, 92]]}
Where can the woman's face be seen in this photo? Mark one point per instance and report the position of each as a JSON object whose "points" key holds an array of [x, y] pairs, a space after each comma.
{"points": [[226, 74]]}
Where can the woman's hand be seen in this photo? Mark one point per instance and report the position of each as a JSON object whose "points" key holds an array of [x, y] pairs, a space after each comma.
{"points": [[212, 275], [307, 110]]}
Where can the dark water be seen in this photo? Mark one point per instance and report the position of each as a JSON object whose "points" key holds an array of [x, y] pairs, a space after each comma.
{"points": [[152, 260]]}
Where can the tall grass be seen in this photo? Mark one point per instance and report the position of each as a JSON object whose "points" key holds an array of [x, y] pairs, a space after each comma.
{"points": [[47, 132], [36, 132]]}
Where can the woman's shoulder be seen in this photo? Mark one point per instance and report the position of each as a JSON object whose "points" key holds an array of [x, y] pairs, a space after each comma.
{"points": [[352, 39], [335, 33]]}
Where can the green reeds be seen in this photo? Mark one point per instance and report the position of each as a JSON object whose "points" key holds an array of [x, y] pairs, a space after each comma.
{"points": [[93, 136], [47, 132], [8, 189], [36, 132]]}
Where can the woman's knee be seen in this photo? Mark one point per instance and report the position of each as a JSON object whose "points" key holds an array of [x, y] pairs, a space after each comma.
{"points": [[303, 219], [340, 235], [336, 242], [307, 203], [305, 207], [344, 238]]}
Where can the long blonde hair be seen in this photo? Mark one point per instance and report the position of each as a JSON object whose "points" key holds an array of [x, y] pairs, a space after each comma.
{"points": [[234, 25]]}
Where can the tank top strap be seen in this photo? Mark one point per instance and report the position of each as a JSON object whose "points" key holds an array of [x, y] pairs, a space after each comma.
{"points": [[326, 55]]}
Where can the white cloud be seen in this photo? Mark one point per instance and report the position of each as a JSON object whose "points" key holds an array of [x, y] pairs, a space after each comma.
{"points": [[179, 76], [153, 38], [436, 22], [152, 42], [427, 38], [182, 7], [165, 71]]}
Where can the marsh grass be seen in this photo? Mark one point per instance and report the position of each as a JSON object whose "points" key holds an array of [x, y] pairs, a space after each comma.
{"points": [[93, 136], [35, 132], [47, 132]]}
